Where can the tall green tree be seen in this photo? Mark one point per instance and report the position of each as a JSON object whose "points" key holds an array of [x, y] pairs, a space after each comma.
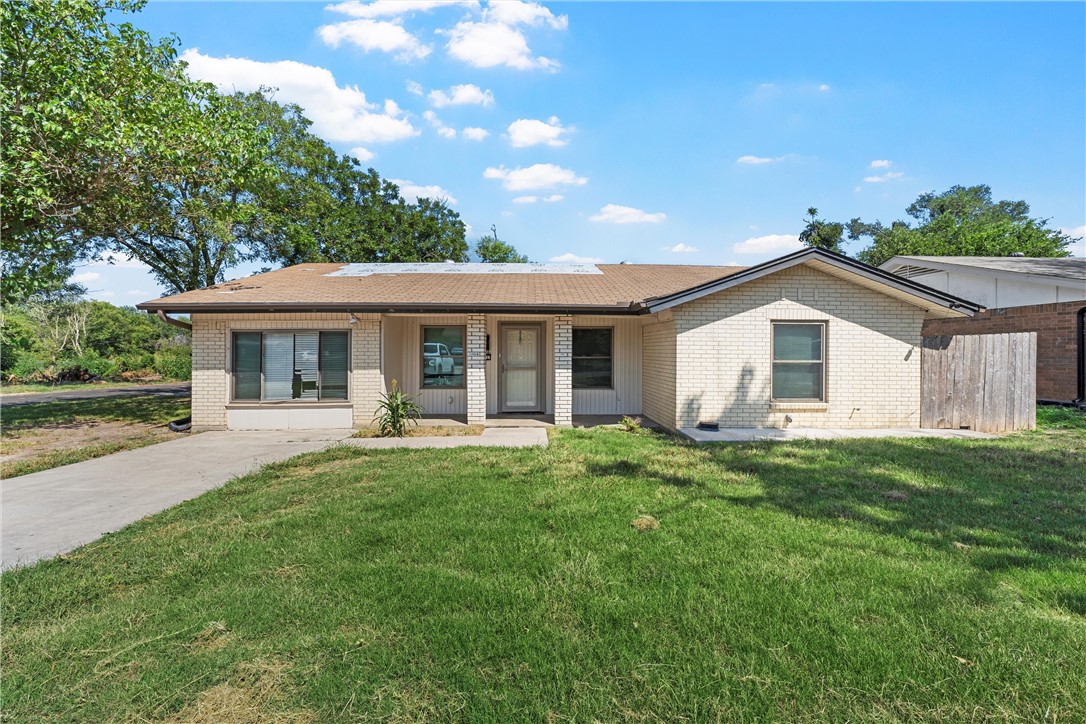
{"points": [[822, 234], [962, 221], [190, 217], [492, 250], [89, 105], [320, 206]]}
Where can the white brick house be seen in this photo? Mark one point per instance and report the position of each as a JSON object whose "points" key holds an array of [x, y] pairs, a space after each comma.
{"points": [[812, 339]]}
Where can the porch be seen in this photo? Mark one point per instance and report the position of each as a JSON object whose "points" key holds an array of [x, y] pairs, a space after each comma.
{"points": [[503, 370]]}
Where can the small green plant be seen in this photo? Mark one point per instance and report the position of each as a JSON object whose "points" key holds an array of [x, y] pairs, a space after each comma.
{"points": [[630, 424], [395, 411]]}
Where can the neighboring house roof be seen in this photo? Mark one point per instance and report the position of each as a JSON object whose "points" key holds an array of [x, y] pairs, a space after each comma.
{"points": [[602, 288], [1067, 268]]}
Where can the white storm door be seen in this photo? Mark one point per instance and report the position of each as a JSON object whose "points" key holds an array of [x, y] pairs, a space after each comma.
{"points": [[520, 368]]}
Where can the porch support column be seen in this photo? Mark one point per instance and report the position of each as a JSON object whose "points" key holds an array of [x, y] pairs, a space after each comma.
{"points": [[563, 370], [476, 369]]}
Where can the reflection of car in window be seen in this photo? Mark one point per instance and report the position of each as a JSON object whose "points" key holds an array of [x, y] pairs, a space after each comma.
{"points": [[457, 351], [436, 359]]}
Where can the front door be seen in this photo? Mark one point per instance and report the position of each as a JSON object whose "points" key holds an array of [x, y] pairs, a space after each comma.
{"points": [[521, 349]]}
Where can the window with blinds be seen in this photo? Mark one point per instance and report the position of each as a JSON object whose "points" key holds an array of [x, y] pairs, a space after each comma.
{"points": [[274, 366], [799, 361]]}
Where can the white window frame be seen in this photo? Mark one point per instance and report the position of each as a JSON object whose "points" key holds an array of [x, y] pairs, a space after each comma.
{"points": [[773, 361]]}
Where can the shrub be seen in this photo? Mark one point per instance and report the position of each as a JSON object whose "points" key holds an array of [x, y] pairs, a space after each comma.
{"points": [[630, 424], [395, 411], [28, 368], [173, 361], [86, 365]]}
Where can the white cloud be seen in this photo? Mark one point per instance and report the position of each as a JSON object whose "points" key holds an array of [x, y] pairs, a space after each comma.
{"points": [[138, 293], [104, 294], [497, 40], [85, 277], [525, 132], [571, 258], [371, 35], [466, 94], [362, 154], [412, 192], [533, 199], [442, 130], [475, 134], [881, 163], [120, 261], [414, 88], [758, 160], [616, 214], [882, 178], [824, 87], [681, 248], [1076, 232], [394, 8], [340, 114], [539, 176], [769, 244], [524, 13]]}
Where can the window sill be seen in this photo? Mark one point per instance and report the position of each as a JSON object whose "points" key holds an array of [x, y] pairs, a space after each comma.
{"points": [[799, 406], [307, 404]]}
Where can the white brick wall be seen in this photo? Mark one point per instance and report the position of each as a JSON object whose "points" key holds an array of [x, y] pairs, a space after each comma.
{"points": [[211, 336], [658, 370], [476, 369], [210, 384], [563, 370], [723, 357]]}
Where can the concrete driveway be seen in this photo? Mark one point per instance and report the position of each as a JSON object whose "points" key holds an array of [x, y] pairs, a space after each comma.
{"points": [[57, 510], [90, 392]]}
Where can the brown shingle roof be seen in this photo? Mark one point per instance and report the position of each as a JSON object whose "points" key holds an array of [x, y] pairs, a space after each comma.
{"points": [[306, 287]]}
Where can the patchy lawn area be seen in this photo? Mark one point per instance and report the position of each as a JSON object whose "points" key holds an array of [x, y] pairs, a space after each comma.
{"points": [[50, 434], [911, 579], [26, 389], [429, 431]]}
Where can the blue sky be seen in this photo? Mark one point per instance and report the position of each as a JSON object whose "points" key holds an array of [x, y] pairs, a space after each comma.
{"points": [[677, 133]]}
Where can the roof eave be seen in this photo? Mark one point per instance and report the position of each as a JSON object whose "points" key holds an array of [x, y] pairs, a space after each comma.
{"points": [[626, 308]]}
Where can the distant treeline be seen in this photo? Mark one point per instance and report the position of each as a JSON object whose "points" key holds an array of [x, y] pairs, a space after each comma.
{"points": [[55, 339]]}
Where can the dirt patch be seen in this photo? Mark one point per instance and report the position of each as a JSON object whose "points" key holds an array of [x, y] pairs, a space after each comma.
{"points": [[645, 523], [56, 437], [430, 431], [252, 695]]}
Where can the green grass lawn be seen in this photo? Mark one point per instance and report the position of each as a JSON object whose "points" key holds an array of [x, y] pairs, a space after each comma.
{"points": [[24, 389], [49, 434], [920, 579]]}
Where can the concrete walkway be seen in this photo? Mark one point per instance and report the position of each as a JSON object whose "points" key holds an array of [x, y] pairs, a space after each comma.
{"points": [[57, 510], [751, 434], [91, 392]]}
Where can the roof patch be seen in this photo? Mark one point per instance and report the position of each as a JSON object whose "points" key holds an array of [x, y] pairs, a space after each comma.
{"points": [[365, 270]]}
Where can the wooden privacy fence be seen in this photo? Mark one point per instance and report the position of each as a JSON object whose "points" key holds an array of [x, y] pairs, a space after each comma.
{"points": [[983, 382]]}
